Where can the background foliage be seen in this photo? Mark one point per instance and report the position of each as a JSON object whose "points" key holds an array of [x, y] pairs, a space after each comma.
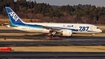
{"points": [[48, 13]]}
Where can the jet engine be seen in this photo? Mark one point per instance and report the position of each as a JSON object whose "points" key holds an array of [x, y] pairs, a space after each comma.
{"points": [[66, 32], [45, 31]]}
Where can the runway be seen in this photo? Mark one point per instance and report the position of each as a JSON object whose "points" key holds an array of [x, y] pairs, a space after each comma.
{"points": [[29, 39], [52, 55], [63, 42], [36, 40]]}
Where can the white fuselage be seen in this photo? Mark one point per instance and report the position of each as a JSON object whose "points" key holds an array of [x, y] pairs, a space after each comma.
{"points": [[76, 28]]}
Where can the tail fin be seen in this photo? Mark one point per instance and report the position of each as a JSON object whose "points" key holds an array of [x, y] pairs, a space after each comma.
{"points": [[14, 19]]}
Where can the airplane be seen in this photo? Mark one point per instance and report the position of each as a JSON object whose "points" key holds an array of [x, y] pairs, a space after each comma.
{"points": [[51, 29]]}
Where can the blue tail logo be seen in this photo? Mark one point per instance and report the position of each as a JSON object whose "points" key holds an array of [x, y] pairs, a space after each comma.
{"points": [[14, 16], [14, 19]]}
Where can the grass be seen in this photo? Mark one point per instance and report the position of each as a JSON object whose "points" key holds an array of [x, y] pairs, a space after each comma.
{"points": [[102, 27], [59, 49]]}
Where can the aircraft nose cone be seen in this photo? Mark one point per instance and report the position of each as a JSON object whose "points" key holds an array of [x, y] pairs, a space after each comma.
{"points": [[100, 31]]}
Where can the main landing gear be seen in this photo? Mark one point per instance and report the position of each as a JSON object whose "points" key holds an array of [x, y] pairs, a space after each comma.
{"points": [[52, 37]]}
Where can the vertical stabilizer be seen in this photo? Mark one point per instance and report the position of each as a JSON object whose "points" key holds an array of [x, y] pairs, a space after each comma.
{"points": [[14, 18]]}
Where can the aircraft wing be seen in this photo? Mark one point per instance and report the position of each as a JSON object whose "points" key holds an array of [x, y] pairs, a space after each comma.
{"points": [[54, 28]]}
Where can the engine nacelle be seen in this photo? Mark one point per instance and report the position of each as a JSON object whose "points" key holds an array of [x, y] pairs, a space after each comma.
{"points": [[45, 31], [66, 32]]}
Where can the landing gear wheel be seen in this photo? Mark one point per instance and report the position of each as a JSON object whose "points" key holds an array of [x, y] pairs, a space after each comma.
{"points": [[48, 36], [51, 37]]}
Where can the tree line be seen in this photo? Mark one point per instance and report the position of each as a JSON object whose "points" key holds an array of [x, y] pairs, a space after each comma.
{"points": [[50, 13]]}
